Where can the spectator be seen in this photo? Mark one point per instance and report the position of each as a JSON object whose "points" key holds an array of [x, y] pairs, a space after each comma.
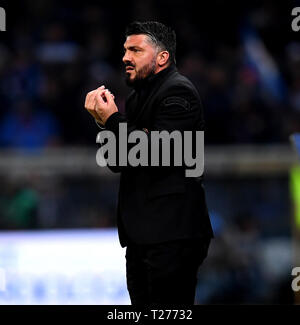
{"points": [[28, 127]]}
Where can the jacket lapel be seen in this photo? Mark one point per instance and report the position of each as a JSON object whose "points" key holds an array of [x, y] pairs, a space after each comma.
{"points": [[130, 106]]}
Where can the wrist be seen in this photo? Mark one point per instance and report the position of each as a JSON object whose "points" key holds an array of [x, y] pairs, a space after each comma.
{"points": [[112, 123], [100, 124], [111, 117]]}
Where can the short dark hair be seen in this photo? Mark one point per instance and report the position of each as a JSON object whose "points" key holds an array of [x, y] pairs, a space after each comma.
{"points": [[160, 34]]}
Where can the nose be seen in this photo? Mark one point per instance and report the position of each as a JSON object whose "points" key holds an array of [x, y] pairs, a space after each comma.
{"points": [[126, 58]]}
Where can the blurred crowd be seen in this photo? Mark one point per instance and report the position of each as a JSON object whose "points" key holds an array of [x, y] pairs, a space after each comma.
{"points": [[54, 52], [243, 58]]}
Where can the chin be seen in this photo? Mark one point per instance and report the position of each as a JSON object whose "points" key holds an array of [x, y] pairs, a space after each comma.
{"points": [[129, 80]]}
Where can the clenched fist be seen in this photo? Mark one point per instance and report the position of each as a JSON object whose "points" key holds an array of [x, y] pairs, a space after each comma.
{"points": [[100, 104]]}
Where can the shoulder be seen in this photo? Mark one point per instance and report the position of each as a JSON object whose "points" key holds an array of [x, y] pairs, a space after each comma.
{"points": [[180, 86], [179, 90]]}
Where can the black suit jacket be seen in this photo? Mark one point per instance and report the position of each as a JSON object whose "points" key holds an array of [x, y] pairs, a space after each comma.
{"points": [[158, 204]]}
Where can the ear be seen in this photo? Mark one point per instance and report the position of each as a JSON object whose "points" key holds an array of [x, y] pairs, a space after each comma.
{"points": [[162, 58]]}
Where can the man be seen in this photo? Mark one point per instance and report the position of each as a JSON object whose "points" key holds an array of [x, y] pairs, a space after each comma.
{"points": [[162, 215]]}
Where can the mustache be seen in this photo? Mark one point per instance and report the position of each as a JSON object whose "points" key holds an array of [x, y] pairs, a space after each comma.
{"points": [[129, 65]]}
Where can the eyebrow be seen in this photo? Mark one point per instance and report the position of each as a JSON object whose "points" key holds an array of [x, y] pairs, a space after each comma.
{"points": [[133, 47]]}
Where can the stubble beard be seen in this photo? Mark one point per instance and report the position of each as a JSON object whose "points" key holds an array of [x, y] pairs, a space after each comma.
{"points": [[145, 72]]}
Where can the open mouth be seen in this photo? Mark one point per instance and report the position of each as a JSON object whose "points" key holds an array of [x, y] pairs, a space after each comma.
{"points": [[129, 68]]}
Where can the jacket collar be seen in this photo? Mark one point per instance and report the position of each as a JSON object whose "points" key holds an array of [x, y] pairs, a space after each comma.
{"points": [[152, 79], [146, 92], [162, 73]]}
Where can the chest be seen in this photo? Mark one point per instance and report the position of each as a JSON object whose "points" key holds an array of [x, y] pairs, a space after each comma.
{"points": [[141, 108]]}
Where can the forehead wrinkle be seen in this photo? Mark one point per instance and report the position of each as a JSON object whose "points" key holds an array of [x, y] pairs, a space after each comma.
{"points": [[144, 41]]}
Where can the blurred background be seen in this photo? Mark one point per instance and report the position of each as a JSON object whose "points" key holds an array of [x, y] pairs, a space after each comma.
{"points": [[58, 208]]}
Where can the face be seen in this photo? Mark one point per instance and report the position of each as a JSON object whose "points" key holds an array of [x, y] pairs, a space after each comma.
{"points": [[139, 58]]}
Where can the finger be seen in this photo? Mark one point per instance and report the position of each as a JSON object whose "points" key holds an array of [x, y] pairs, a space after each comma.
{"points": [[100, 93], [90, 100], [93, 113], [109, 97], [87, 99], [113, 96], [99, 99], [93, 96], [100, 88]]}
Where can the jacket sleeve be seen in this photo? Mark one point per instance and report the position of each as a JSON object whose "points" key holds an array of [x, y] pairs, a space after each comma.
{"points": [[179, 109]]}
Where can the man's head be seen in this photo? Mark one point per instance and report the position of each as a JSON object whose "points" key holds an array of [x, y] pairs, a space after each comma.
{"points": [[149, 48]]}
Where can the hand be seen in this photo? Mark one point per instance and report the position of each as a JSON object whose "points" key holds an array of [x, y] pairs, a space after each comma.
{"points": [[90, 103], [105, 104]]}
